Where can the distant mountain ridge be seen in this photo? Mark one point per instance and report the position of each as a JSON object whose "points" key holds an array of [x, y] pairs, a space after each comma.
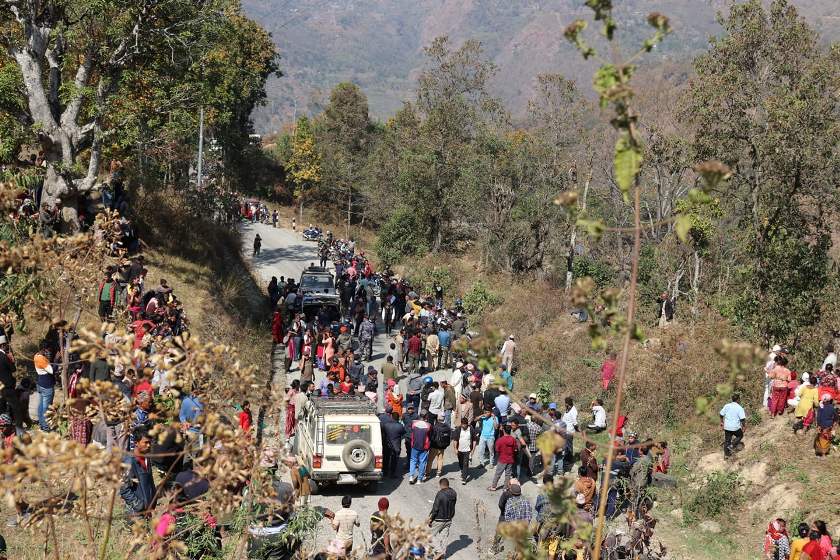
{"points": [[378, 44]]}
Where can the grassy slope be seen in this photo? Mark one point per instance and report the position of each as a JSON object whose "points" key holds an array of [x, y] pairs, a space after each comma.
{"points": [[779, 474], [202, 263]]}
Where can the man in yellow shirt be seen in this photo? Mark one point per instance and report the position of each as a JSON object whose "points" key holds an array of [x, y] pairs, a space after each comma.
{"points": [[797, 545]]}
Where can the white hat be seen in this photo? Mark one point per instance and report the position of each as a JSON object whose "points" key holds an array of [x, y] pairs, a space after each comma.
{"points": [[532, 396], [511, 337], [3, 339], [459, 365], [776, 348]]}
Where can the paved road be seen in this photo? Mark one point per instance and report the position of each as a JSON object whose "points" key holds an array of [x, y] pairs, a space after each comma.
{"points": [[285, 253]]}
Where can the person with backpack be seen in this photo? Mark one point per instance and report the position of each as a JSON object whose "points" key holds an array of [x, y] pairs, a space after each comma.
{"points": [[440, 439]]}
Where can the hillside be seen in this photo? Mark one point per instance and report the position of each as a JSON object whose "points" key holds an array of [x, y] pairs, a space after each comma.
{"points": [[378, 44]]}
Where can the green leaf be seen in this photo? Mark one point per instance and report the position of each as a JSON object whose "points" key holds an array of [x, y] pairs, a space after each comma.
{"points": [[606, 78], [627, 162], [595, 228], [682, 226]]}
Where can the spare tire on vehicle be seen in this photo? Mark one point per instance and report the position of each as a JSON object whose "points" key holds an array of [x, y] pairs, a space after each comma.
{"points": [[357, 455]]}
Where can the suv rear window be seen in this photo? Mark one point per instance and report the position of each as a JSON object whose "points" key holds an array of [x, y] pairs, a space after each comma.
{"points": [[339, 434]]}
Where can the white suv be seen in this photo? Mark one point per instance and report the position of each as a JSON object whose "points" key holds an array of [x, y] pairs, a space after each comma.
{"points": [[340, 441]]}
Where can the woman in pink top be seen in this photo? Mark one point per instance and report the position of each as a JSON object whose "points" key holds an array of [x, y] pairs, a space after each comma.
{"points": [[779, 379], [608, 370]]}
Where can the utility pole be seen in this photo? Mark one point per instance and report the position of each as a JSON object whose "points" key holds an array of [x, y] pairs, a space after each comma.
{"points": [[200, 147], [349, 202], [573, 237]]}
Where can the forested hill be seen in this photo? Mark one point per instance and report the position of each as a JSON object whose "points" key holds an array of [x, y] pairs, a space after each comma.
{"points": [[378, 43]]}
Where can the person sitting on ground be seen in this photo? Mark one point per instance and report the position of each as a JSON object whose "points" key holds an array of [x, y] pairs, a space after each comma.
{"points": [[585, 486], [663, 462], [599, 423]]}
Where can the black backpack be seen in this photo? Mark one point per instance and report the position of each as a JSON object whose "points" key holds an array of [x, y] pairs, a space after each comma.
{"points": [[441, 436]]}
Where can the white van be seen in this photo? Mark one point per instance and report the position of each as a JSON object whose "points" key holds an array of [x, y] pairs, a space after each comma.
{"points": [[340, 441]]}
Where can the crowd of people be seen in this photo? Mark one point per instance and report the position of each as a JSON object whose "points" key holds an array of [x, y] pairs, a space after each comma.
{"points": [[469, 416], [809, 542], [809, 396]]}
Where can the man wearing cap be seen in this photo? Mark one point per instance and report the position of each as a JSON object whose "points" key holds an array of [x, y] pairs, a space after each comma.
{"points": [[533, 404], [507, 352], [380, 538], [517, 507], [45, 382]]}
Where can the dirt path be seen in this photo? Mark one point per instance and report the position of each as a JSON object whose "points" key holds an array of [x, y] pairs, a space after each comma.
{"points": [[285, 253]]}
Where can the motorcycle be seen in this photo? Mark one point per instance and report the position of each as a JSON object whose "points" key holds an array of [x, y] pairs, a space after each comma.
{"points": [[312, 234]]}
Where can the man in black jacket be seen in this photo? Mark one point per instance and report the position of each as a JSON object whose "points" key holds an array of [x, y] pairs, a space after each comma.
{"points": [[440, 518], [440, 438], [393, 432]]}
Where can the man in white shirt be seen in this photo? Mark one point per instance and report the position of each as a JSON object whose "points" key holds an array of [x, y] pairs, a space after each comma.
{"points": [[457, 379], [600, 422], [570, 417], [436, 400], [732, 420], [507, 351]]}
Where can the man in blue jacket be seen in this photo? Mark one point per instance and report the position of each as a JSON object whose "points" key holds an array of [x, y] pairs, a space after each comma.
{"points": [[138, 487]]}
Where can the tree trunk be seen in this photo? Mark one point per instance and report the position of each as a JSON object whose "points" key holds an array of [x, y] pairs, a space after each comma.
{"points": [[695, 286], [573, 237]]}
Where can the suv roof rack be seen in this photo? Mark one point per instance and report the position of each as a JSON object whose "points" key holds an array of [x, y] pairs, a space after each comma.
{"points": [[316, 269], [343, 405]]}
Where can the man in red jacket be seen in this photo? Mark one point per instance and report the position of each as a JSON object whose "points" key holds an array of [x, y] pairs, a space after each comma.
{"points": [[419, 436], [506, 453], [415, 346]]}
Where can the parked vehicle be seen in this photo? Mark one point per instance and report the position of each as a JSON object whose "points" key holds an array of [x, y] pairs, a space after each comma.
{"points": [[312, 234]]}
